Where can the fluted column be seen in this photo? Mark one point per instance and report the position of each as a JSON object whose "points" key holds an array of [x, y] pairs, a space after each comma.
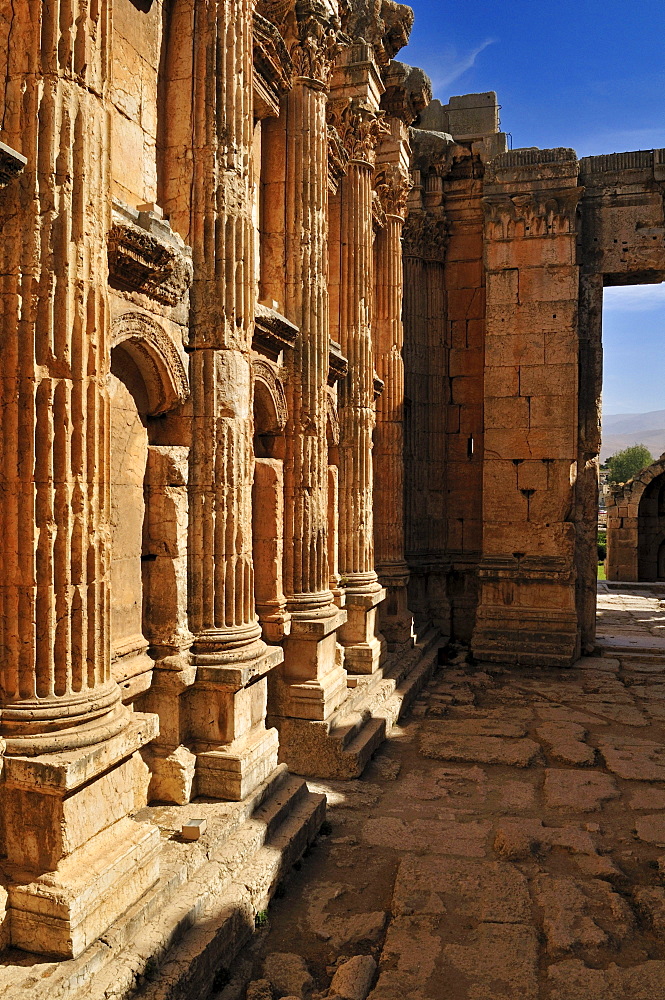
{"points": [[388, 339], [311, 682], [55, 666], [363, 647], [415, 441], [228, 700], [73, 773]]}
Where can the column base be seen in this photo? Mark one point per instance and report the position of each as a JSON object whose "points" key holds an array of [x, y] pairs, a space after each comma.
{"points": [[364, 646], [527, 623], [232, 772], [311, 683], [395, 618], [75, 861], [62, 912]]}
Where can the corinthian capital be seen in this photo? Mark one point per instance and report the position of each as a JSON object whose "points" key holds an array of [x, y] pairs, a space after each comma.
{"points": [[426, 236], [358, 127], [392, 184], [314, 38]]}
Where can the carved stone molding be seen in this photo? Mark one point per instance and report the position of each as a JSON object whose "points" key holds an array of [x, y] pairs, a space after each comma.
{"points": [[333, 422], [273, 68], [12, 163], [383, 24], [273, 333], [264, 373], [313, 38], [378, 213], [338, 159], [426, 236], [338, 365], [393, 184], [359, 128], [544, 212], [145, 256], [157, 357], [408, 91]]}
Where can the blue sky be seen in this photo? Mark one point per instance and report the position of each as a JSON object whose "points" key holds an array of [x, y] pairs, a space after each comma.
{"points": [[590, 75]]}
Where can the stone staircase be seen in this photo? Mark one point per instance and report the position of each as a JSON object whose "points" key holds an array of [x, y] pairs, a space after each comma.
{"points": [[200, 912], [341, 747]]}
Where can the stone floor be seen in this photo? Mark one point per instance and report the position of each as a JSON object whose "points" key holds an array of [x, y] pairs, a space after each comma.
{"points": [[507, 842]]}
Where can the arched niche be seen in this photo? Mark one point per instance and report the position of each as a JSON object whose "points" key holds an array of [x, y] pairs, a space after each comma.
{"points": [[268, 503], [270, 412], [148, 499], [157, 357]]}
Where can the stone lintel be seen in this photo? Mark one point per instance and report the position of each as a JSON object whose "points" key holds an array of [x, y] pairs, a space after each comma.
{"points": [[12, 163], [61, 773], [338, 365], [273, 333]]}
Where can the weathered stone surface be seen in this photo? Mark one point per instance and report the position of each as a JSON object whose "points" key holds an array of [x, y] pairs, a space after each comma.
{"points": [[288, 974], [353, 979], [583, 791], [580, 914], [571, 980], [651, 828], [470, 746], [565, 742], [638, 759]]}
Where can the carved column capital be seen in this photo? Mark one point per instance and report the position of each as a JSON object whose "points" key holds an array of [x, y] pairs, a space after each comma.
{"points": [[426, 236], [314, 39], [393, 184], [358, 127]]}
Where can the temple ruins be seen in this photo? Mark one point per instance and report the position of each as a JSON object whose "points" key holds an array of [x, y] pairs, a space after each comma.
{"points": [[301, 378]]}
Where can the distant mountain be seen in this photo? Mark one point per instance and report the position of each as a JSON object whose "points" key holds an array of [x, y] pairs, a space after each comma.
{"points": [[621, 430]]}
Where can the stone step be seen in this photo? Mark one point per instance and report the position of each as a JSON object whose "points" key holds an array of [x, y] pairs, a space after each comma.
{"points": [[360, 735], [235, 882]]}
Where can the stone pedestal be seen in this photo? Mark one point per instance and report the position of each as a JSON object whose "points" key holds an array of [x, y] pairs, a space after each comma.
{"points": [[75, 860], [363, 645]]}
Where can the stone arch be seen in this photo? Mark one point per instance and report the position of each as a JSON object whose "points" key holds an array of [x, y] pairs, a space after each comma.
{"points": [[157, 358], [634, 530], [270, 415], [270, 400]]}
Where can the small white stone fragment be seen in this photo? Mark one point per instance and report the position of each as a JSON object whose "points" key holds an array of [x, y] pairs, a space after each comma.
{"points": [[194, 828]]}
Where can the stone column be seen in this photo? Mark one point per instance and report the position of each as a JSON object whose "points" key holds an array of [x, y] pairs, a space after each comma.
{"points": [[227, 702], [72, 774], [311, 684], [415, 440], [393, 184], [363, 646]]}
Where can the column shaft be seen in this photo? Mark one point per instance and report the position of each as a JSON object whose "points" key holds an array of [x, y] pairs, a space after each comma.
{"points": [[363, 647], [54, 419], [312, 682], [227, 701], [388, 337]]}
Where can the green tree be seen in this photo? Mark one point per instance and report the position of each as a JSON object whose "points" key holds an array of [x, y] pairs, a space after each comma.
{"points": [[627, 463]]}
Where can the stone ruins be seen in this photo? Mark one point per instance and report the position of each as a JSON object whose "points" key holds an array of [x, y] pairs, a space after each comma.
{"points": [[301, 375]]}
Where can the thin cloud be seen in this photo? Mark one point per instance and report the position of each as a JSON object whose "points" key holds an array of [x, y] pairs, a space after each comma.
{"points": [[455, 64], [634, 298]]}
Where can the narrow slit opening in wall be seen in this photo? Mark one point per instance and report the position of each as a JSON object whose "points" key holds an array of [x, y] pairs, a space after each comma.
{"points": [[629, 544], [469, 446]]}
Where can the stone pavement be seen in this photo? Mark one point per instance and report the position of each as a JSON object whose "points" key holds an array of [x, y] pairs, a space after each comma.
{"points": [[507, 842]]}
